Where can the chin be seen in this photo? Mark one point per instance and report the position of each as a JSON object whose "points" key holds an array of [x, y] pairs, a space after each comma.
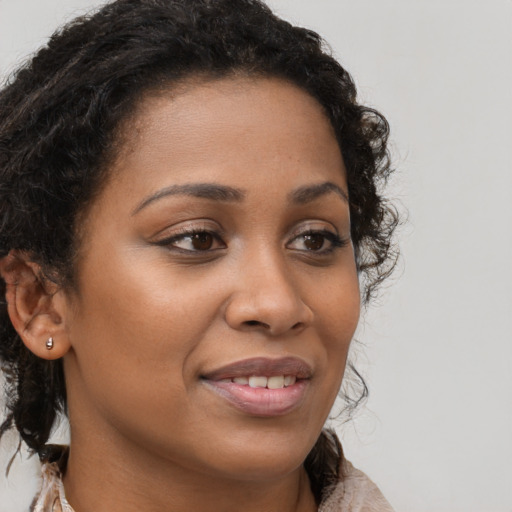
{"points": [[263, 460]]}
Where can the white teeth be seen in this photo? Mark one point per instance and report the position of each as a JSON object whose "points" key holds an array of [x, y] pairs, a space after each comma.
{"points": [[275, 382], [258, 382], [289, 380]]}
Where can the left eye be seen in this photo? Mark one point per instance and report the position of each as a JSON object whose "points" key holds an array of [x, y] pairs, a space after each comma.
{"points": [[316, 241]]}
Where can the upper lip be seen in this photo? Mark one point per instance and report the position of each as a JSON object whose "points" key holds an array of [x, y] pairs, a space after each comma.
{"points": [[264, 367]]}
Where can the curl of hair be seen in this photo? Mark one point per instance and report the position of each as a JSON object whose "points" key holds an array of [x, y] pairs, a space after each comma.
{"points": [[61, 113]]}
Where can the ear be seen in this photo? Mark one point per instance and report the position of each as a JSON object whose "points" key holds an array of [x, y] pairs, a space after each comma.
{"points": [[36, 306]]}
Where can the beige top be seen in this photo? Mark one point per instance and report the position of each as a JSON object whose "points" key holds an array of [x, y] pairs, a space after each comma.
{"points": [[355, 493]]}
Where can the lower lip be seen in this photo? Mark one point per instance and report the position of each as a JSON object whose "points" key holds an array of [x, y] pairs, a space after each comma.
{"points": [[261, 401]]}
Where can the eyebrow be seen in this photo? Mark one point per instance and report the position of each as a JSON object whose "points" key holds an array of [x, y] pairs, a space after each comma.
{"points": [[309, 193], [210, 191]]}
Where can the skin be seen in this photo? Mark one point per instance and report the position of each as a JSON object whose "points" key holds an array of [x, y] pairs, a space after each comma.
{"points": [[152, 313]]}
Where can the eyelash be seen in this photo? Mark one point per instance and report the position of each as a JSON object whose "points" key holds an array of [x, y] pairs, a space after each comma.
{"points": [[189, 233], [336, 242]]}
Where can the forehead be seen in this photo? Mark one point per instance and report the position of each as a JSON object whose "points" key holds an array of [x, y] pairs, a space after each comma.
{"points": [[235, 131], [216, 116]]}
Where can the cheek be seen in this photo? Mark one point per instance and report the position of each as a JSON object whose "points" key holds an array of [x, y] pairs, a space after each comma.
{"points": [[131, 342], [338, 303], [137, 326], [138, 299], [338, 315], [131, 331]]}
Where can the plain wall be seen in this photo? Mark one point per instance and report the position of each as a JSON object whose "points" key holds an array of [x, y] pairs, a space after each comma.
{"points": [[436, 434]]}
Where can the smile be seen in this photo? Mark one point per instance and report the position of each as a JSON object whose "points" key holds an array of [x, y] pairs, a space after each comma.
{"points": [[258, 381], [260, 386]]}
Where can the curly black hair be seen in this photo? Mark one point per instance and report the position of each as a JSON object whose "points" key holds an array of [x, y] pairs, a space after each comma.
{"points": [[60, 119]]}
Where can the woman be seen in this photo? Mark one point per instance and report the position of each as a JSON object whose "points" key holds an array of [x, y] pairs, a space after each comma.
{"points": [[189, 196]]}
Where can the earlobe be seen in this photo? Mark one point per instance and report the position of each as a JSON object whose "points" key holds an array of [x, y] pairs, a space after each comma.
{"points": [[36, 306]]}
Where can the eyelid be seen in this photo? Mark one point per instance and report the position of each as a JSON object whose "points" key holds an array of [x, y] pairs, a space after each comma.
{"points": [[171, 244], [332, 237], [188, 228], [313, 226], [327, 230]]}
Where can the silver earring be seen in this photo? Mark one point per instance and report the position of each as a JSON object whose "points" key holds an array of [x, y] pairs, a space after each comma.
{"points": [[49, 343]]}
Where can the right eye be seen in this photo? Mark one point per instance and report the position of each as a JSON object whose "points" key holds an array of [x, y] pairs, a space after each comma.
{"points": [[194, 241]]}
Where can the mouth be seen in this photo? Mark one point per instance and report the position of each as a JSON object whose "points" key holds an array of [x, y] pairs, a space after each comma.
{"points": [[261, 386]]}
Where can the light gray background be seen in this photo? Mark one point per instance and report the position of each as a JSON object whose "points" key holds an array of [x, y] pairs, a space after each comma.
{"points": [[437, 432]]}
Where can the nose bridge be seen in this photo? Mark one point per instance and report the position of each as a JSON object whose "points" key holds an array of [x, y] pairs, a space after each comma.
{"points": [[266, 296], [271, 276]]}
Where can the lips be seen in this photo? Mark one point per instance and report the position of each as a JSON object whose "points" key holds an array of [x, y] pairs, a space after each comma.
{"points": [[261, 386]]}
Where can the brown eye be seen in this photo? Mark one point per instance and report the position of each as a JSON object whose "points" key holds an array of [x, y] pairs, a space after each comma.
{"points": [[202, 241], [314, 242], [194, 242], [318, 243]]}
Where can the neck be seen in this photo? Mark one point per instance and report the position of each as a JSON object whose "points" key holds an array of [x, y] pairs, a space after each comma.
{"points": [[108, 477]]}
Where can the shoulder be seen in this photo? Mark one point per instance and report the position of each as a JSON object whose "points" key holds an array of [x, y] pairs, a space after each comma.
{"points": [[354, 493], [51, 495]]}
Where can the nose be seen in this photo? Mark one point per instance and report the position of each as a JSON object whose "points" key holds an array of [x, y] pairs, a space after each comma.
{"points": [[266, 298]]}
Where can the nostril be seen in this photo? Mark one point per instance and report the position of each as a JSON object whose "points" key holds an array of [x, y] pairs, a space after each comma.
{"points": [[256, 323], [298, 325]]}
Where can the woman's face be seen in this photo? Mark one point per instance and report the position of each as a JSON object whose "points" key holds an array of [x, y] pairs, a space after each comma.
{"points": [[218, 291]]}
